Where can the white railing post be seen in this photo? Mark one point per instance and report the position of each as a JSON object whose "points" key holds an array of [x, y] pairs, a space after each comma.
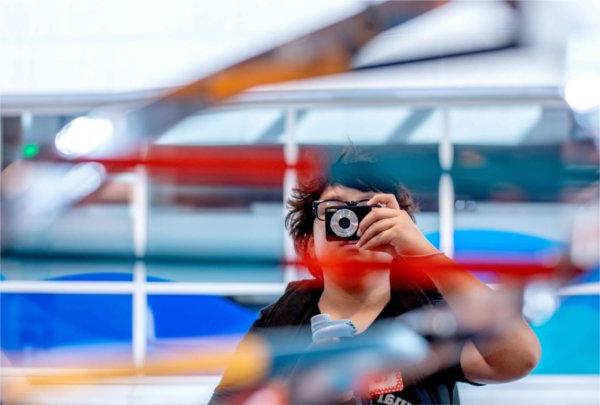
{"points": [[446, 187], [139, 211], [290, 153]]}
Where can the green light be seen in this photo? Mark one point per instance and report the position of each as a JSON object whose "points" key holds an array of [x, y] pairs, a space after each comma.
{"points": [[30, 150]]}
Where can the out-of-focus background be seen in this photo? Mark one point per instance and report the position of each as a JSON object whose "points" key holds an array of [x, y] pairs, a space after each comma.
{"points": [[126, 261]]}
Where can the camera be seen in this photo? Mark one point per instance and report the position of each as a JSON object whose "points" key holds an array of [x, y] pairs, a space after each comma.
{"points": [[341, 224]]}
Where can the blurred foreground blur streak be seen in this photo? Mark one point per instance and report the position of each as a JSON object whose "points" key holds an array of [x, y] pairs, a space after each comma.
{"points": [[140, 236]]}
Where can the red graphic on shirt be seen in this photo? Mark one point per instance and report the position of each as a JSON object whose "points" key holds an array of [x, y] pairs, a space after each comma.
{"points": [[380, 384]]}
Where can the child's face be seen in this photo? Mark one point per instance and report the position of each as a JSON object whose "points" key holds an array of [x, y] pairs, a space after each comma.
{"points": [[343, 250]]}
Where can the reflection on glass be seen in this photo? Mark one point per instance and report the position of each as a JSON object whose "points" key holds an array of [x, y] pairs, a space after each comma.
{"points": [[227, 127], [341, 126]]}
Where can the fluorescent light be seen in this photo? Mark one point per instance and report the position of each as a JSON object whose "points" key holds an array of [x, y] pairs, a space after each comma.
{"points": [[83, 135], [582, 91]]}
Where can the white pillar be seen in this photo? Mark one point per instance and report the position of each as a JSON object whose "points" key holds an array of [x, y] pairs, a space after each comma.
{"points": [[446, 187], [290, 180], [139, 213]]}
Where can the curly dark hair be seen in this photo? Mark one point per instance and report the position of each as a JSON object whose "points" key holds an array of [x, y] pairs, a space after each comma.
{"points": [[351, 170]]}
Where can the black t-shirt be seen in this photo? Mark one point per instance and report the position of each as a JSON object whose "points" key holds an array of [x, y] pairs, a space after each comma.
{"points": [[299, 304]]}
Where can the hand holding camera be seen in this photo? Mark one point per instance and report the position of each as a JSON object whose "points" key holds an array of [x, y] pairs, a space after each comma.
{"points": [[390, 229], [377, 224]]}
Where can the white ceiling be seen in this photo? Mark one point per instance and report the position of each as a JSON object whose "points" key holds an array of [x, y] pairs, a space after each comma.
{"points": [[65, 46], [104, 46]]}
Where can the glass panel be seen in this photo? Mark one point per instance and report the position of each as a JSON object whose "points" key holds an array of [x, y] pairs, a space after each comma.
{"points": [[495, 125], [342, 126], [251, 233], [506, 125], [519, 201], [216, 228], [494, 173], [492, 228], [540, 173], [42, 329], [509, 125], [227, 127], [430, 129], [81, 230]]}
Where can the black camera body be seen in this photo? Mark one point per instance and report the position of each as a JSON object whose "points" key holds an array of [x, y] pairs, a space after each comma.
{"points": [[341, 223]]}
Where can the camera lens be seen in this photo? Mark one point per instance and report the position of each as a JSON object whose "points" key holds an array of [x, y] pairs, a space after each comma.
{"points": [[344, 223]]}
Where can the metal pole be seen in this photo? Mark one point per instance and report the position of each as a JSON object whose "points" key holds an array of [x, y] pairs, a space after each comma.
{"points": [[290, 152], [139, 207], [446, 187]]}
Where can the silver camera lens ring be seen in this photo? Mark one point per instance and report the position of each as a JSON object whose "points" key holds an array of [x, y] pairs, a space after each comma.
{"points": [[335, 223]]}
